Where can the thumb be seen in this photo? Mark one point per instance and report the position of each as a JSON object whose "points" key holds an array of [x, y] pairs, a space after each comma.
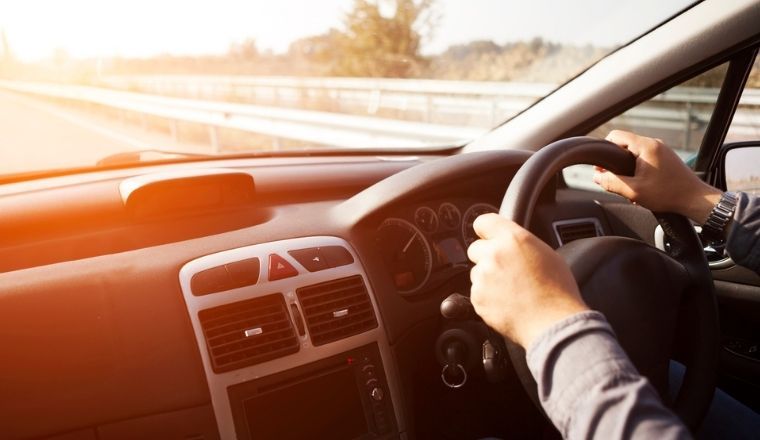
{"points": [[613, 183]]}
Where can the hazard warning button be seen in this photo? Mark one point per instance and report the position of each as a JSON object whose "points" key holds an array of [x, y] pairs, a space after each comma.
{"points": [[279, 268]]}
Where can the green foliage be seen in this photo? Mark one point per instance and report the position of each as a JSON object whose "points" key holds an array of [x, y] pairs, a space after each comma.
{"points": [[376, 45], [536, 60]]}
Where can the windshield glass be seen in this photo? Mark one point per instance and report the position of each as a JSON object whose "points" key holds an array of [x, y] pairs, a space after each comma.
{"points": [[92, 83]]}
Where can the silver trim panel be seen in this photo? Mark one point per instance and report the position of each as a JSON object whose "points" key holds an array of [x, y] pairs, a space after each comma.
{"points": [[659, 242], [307, 353]]}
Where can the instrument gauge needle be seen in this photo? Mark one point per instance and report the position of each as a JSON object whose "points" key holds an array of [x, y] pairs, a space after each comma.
{"points": [[408, 243]]}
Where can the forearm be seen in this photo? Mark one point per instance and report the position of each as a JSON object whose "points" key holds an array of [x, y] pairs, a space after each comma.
{"points": [[699, 202], [589, 388]]}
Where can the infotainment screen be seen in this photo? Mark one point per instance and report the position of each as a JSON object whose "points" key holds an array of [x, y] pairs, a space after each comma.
{"points": [[322, 406]]}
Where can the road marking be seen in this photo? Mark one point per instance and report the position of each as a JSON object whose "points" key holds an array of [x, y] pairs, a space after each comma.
{"points": [[82, 123]]}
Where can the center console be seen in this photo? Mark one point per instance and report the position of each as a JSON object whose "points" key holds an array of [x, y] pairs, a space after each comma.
{"points": [[341, 397], [291, 342]]}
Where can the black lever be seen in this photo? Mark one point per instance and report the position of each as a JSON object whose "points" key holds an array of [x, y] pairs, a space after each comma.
{"points": [[457, 307], [494, 360]]}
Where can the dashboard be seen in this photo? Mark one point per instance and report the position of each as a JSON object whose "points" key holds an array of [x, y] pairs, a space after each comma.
{"points": [[209, 318]]}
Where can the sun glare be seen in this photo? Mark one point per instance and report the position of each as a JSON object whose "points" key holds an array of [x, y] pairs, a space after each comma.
{"points": [[37, 30]]}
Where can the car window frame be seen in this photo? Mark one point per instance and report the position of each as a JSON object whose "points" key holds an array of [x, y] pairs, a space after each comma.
{"points": [[740, 57]]}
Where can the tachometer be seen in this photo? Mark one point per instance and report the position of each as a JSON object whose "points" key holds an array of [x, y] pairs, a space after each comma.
{"points": [[473, 212], [449, 215], [406, 253], [426, 219]]}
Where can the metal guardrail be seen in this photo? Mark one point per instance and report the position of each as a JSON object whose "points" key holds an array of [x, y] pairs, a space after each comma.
{"points": [[487, 103], [469, 108], [310, 126], [468, 103]]}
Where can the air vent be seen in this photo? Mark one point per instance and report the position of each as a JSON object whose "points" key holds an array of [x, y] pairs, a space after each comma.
{"points": [[571, 230], [336, 309], [248, 332]]}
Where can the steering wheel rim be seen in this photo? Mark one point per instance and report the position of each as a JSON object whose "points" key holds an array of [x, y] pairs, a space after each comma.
{"points": [[698, 304]]}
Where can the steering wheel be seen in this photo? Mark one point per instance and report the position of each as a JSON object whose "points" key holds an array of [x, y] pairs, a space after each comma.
{"points": [[652, 299]]}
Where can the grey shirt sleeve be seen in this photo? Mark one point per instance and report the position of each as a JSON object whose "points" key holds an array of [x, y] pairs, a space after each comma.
{"points": [[743, 241], [591, 390]]}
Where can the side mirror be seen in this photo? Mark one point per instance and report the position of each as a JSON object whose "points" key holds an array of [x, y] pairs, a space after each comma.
{"points": [[741, 168], [737, 167]]}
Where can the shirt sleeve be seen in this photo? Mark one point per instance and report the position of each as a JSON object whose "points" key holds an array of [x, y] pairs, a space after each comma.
{"points": [[743, 241], [591, 390]]}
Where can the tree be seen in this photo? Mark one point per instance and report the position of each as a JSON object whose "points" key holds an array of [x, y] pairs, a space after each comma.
{"points": [[245, 50], [379, 44], [6, 56]]}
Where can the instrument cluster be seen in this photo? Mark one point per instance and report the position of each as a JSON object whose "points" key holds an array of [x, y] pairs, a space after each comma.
{"points": [[426, 244]]}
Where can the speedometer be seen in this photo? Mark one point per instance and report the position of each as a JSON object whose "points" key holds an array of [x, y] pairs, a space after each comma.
{"points": [[473, 212], [406, 253]]}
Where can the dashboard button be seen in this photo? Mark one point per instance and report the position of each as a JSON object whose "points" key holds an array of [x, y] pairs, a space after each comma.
{"points": [[215, 279], [377, 394], [243, 273], [310, 258], [336, 256], [279, 268]]}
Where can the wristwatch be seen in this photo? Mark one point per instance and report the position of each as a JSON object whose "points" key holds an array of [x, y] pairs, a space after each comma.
{"points": [[715, 227]]}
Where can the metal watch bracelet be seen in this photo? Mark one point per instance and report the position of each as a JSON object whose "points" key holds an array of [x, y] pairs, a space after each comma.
{"points": [[714, 228]]}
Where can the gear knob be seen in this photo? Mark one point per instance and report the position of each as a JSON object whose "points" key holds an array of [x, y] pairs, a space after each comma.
{"points": [[457, 307]]}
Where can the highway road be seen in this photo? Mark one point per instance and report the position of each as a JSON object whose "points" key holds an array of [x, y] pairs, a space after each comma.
{"points": [[38, 135]]}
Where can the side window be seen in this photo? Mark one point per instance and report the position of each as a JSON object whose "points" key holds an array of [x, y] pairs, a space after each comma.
{"points": [[746, 123], [678, 116], [742, 165]]}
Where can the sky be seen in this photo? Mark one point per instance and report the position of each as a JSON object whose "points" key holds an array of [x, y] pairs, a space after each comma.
{"points": [[142, 28]]}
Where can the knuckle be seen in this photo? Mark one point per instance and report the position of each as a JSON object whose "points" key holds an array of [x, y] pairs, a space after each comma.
{"points": [[519, 236]]}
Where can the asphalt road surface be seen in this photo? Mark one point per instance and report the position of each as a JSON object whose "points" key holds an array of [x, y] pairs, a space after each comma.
{"points": [[39, 135]]}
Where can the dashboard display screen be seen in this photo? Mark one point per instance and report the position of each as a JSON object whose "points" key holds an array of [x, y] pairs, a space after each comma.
{"points": [[327, 406], [450, 251]]}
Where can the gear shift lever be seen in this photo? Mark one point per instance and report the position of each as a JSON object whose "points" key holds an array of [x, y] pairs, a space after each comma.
{"points": [[457, 307]]}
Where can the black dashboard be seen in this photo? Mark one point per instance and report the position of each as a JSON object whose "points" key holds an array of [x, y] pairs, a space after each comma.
{"points": [[104, 296]]}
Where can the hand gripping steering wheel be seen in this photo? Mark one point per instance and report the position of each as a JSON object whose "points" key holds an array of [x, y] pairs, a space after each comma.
{"points": [[654, 301]]}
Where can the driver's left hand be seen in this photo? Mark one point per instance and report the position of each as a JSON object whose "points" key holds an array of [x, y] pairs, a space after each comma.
{"points": [[520, 286]]}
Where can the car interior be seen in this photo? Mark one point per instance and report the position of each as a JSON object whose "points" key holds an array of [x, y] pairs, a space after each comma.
{"points": [[324, 295]]}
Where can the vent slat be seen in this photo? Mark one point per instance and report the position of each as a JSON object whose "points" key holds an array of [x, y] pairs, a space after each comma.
{"points": [[247, 312], [575, 231], [339, 303], [340, 290], [319, 301], [224, 330], [261, 344], [233, 336], [336, 323], [247, 322], [328, 317]]}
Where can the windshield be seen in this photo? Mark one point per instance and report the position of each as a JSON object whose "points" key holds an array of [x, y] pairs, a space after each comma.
{"points": [[100, 82]]}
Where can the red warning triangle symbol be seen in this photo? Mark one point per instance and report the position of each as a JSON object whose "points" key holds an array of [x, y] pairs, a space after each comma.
{"points": [[279, 268]]}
